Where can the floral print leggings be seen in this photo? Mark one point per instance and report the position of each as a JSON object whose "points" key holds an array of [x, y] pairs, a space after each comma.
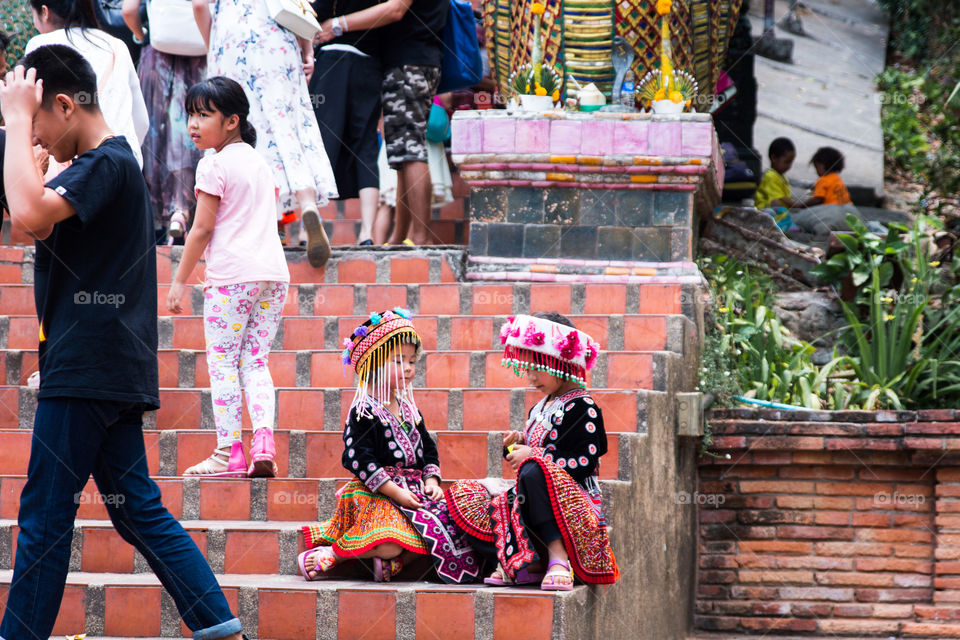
{"points": [[239, 324]]}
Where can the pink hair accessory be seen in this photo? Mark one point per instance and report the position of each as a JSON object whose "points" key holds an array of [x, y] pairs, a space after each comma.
{"points": [[532, 337]]}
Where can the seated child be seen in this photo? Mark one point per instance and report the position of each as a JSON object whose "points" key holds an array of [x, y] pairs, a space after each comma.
{"points": [[550, 526], [774, 189], [394, 504], [773, 193], [829, 188]]}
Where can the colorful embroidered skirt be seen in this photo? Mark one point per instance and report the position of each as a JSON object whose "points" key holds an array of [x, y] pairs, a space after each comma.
{"points": [[364, 519], [499, 521]]}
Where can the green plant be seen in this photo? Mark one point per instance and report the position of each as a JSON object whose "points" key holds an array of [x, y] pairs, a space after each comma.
{"points": [[770, 363], [884, 360], [904, 135], [523, 82], [903, 340], [863, 252]]}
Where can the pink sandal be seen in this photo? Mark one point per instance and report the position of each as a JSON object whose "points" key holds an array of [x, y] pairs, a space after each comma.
{"points": [[553, 585], [324, 563], [384, 570], [262, 452]]}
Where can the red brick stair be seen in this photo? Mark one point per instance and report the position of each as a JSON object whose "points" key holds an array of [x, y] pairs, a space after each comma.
{"points": [[248, 529]]}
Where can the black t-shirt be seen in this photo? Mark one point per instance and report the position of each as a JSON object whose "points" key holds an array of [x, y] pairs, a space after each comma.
{"points": [[96, 284], [366, 41], [417, 38]]}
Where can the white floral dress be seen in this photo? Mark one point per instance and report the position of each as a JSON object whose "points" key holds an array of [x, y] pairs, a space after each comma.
{"points": [[247, 45]]}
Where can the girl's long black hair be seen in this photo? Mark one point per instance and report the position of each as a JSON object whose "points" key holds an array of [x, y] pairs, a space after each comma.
{"points": [[78, 14], [74, 13], [226, 96]]}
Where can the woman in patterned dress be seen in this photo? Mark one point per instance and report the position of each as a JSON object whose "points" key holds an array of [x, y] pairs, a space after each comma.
{"points": [[394, 506], [273, 66], [169, 156], [550, 526]]}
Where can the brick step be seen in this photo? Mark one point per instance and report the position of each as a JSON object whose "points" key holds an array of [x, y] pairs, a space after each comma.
{"points": [[298, 499], [229, 546], [314, 409], [304, 454], [437, 369], [282, 607], [435, 298], [344, 233], [400, 265], [445, 332]]}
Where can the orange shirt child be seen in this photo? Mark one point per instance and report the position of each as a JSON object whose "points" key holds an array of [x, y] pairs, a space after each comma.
{"points": [[830, 187]]}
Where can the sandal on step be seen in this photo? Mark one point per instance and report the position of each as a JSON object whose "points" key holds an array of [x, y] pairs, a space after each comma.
{"points": [[262, 452], [499, 578], [323, 563], [552, 576], [384, 570], [221, 464], [318, 245]]}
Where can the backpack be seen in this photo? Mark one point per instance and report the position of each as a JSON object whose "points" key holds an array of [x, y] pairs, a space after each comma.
{"points": [[461, 66]]}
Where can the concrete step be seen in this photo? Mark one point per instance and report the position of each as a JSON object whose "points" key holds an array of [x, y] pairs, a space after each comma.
{"points": [[303, 454], [285, 607], [444, 332]]}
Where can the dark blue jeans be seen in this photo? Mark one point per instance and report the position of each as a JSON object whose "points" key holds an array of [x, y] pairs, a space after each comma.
{"points": [[73, 438]]}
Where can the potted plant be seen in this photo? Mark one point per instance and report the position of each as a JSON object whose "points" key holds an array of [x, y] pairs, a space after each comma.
{"points": [[537, 88], [666, 90]]}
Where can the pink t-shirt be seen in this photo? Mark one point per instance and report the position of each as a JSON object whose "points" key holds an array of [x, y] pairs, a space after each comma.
{"points": [[245, 246]]}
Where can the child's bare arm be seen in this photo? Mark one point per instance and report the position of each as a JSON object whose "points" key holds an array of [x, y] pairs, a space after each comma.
{"points": [[812, 201], [197, 240]]}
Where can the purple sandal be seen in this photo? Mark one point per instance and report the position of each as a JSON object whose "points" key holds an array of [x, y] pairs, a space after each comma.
{"points": [[318, 565], [500, 579], [383, 570], [554, 586]]}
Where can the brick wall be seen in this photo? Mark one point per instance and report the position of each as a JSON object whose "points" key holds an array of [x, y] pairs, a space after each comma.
{"points": [[840, 523]]}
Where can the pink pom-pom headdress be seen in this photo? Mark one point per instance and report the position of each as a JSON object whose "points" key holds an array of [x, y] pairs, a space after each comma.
{"points": [[538, 344]]}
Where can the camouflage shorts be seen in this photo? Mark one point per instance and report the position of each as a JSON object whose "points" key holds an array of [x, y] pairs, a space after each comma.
{"points": [[407, 95]]}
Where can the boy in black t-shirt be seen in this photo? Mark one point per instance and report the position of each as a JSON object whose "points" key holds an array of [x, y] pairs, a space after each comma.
{"points": [[96, 292]]}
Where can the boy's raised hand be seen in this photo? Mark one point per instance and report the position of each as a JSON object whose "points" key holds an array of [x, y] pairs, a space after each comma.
{"points": [[20, 95]]}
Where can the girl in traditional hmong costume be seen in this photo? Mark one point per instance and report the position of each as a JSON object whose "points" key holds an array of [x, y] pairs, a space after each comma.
{"points": [[550, 526], [394, 505]]}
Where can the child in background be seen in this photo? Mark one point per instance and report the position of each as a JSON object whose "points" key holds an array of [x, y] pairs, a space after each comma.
{"points": [[829, 188], [394, 506], [550, 526], [774, 189], [95, 286], [246, 275]]}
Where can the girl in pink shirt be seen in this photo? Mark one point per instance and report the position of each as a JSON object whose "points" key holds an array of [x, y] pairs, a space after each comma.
{"points": [[246, 278]]}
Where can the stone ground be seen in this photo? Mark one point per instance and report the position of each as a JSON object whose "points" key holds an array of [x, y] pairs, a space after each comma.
{"points": [[827, 97]]}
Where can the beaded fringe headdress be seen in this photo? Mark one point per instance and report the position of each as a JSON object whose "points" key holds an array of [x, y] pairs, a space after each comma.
{"points": [[538, 344], [370, 350]]}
